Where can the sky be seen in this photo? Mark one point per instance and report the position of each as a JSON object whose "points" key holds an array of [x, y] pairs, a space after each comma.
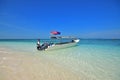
{"points": [[29, 19]]}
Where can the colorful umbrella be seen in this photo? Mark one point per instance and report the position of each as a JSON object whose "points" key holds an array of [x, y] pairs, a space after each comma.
{"points": [[55, 33]]}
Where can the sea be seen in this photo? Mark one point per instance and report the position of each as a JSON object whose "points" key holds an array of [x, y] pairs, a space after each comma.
{"points": [[91, 59]]}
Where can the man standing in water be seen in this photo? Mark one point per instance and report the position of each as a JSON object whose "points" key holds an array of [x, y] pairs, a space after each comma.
{"points": [[38, 44]]}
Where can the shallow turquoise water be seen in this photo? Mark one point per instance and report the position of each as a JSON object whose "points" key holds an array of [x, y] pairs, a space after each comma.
{"points": [[90, 59]]}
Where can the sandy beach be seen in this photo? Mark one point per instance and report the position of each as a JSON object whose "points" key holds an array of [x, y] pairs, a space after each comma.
{"points": [[26, 67], [89, 60]]}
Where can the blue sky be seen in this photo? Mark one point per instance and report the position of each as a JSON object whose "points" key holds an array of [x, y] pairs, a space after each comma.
{"points": [[80, 18]]}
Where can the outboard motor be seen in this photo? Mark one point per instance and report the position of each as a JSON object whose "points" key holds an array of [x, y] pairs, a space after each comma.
{"points": [[43, 46]]}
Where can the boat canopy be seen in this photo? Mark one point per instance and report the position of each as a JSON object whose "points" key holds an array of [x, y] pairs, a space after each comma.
{"points": [[55, 33], [62, 37]]}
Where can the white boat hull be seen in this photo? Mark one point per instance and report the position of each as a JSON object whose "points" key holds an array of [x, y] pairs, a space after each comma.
{"points": [[61, 46], [55, 46]]}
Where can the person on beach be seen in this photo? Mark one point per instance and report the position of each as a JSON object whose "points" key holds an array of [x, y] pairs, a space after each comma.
{"points": [[38, 44]]}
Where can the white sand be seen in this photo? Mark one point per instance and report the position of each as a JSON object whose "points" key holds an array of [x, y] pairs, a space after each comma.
{"points": [[27, 67]]}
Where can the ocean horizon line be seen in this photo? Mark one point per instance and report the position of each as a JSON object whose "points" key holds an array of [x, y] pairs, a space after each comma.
{"points": [[49, 38]]}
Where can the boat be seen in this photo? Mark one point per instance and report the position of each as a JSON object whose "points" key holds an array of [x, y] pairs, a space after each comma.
{"points": [[58, 42]]}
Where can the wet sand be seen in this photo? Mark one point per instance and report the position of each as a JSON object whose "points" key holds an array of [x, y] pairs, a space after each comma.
{"points": [[14, 66]]}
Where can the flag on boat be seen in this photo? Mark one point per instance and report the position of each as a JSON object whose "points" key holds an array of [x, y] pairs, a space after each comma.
{"points": [[55, 33]]}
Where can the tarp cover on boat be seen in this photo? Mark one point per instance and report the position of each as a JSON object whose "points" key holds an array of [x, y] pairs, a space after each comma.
{"points": [[55, 33]]}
